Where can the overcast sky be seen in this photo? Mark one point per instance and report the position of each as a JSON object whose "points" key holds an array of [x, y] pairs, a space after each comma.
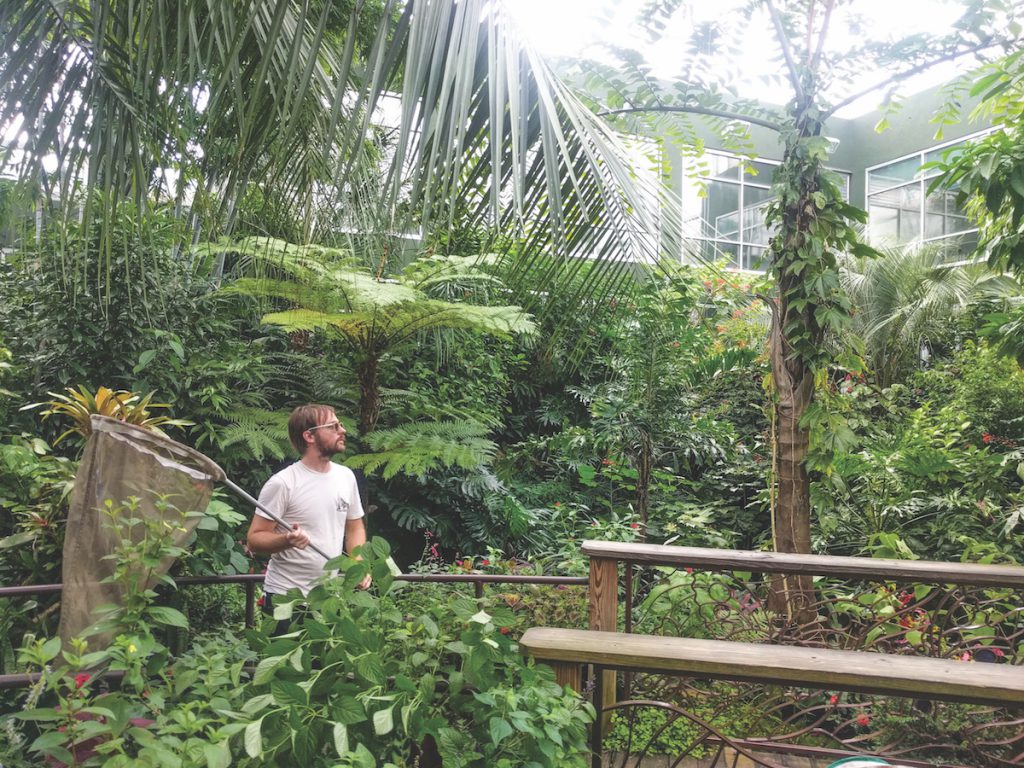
{"points": [[576, 27]]}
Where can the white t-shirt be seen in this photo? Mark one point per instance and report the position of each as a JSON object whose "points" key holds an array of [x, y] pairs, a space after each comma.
{"points": [[321, 503]]}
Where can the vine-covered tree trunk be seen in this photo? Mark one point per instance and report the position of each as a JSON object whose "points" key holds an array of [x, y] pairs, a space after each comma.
{"points": [[811, 227], [791, 523]]}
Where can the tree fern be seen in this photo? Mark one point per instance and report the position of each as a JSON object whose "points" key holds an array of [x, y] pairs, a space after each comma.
{"points": [[263, 433], [374, 317], [418, 448]]}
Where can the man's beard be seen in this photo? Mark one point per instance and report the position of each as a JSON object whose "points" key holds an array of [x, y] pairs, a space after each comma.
{"points": [[327, 451]]}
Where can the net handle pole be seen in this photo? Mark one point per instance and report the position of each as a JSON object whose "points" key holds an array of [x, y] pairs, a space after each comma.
{"points": [[246, 497]]}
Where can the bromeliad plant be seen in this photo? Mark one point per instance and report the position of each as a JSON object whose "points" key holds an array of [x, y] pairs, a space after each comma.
{"points": [[80, 404], [362, 681]]}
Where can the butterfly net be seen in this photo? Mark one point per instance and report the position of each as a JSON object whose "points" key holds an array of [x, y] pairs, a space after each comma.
{"points": [[131, 482]]}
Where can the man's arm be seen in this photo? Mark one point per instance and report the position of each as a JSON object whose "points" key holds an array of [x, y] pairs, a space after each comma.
{"points": [[265, 537], [355, 536]]}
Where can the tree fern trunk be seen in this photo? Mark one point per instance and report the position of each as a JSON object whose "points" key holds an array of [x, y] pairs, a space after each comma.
{"points": [[369, 395]]}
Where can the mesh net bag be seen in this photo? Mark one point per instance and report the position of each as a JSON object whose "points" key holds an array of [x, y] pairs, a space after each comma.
{"points": [[124, 462]]}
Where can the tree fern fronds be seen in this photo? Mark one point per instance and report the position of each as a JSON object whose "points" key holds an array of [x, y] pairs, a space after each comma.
{"points": [[264, 433], [418, 448]]}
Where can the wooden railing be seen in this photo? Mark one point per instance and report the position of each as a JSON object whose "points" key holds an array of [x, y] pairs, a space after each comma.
{"points": [[875, 614]]}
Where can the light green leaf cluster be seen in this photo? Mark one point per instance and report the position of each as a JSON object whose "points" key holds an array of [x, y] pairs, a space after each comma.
{"points": [[417, 449]]}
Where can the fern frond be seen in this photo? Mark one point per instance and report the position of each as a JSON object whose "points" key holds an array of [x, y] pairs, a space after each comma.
{"points": [[264, 433], [416, 449]]}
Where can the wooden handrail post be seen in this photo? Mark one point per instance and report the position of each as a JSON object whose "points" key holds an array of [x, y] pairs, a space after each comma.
{"points": [[604, 617]]}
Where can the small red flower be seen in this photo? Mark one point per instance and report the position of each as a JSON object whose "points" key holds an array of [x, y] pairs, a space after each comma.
{"points": [[505, 630], [833, 700], [634, 526], [433, 550], [986, 438], [260, 601], [863, 719], [558, 504], [81, 679], [485, 561]]}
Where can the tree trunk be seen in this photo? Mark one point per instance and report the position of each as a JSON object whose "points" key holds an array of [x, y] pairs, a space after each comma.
{"points": [[369, 395], [644, 467], [791, 515]]}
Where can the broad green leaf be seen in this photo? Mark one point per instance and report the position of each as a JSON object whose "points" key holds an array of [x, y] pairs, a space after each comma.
{"points": [[168, 616], [383, 721], [288, 694], [253, 738], [218, 754], [500, 729], [266, 668], [340, 732]]}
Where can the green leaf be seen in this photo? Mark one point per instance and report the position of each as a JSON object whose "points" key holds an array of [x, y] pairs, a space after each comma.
{"points": [[383, 721], [340, 732], [288, 694], [144, 359], [171, 617], [218, 754], [500, 729], [266, 668], [50, 649], [253, 739], [256, 703], [40, 715]]}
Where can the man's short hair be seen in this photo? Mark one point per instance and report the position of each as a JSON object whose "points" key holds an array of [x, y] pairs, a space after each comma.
{"points": [[306, 417]]}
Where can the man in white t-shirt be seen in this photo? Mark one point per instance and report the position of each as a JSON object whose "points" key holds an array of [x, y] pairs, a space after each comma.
{"points": [[318, 498]]}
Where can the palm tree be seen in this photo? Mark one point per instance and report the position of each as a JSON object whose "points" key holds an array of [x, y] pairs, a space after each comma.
{"points": [[196, 100], [906, 298]]}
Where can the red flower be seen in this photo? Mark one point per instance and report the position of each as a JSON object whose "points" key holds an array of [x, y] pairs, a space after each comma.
{"points": [[485, 561], [833, 700], [260, 601], [986, 438], [905, 597], [505, 630], [558, 503], [689, 570], [81, 679], [634, 526], [863, 719]]}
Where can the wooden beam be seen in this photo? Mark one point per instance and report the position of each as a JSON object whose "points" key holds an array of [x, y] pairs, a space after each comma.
{"points": [[604, 616], [921, 571], [824, 669]]}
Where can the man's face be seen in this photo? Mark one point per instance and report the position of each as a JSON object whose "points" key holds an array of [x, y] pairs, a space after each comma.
{"points": [[328, 436]]}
